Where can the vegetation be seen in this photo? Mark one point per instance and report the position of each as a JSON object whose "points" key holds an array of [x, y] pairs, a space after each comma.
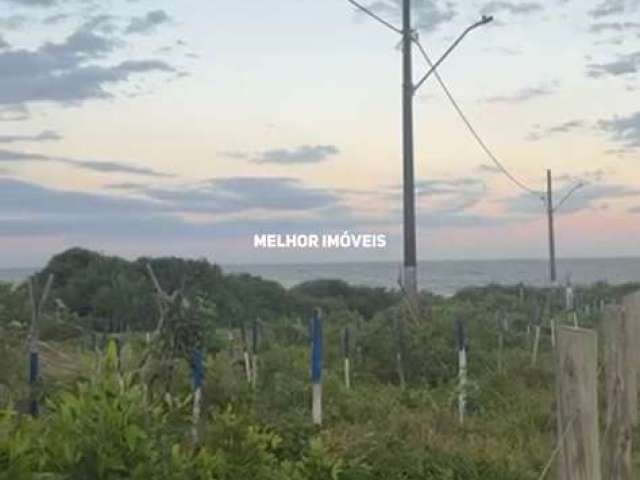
{"points": [[102, 417]]}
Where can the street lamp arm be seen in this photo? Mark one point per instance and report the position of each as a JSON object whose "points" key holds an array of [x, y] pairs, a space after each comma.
{"points": [[573, 190], [483, 21]]}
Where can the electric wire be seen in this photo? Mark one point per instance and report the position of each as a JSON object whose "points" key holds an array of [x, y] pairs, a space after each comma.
{"points": [[483, 145], [375, 16], [474, 132]]}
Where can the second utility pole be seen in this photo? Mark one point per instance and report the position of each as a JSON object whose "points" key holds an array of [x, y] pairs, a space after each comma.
{"points": [[552, 239], [410, 276]]}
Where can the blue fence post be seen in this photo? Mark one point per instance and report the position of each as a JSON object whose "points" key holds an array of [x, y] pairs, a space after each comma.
{"points": [[197, 377], [316, 366], [34, 373]]}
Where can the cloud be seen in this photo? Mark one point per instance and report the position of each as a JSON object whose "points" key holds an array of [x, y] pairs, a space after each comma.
{"points": [[147, 23], [241, 194], [44, 136], [3, 43], [613, 7], [634, 209], [613, 27], [13, 113], [96, 166], [64, 72], [464, 220], [488, 169], [525, 94], [587, 198], [45, 211], [56, 19], [565, 127], [13, 22], [625, 130], [442, 196], [34, 3], [428, 14], [300, 155], [513, 8], [623, 65]]}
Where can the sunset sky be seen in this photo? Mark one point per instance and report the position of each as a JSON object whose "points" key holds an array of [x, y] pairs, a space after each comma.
{"points": [[184, 127]]}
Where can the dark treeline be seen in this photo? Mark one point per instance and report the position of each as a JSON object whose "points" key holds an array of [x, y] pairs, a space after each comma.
{"points": [[113, 294]]}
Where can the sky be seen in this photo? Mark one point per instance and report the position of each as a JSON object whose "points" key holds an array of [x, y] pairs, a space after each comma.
{"points": [[139, 127]]}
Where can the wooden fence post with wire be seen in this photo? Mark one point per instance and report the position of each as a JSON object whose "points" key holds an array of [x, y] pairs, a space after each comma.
{"points": [[577, 404], [537, 321], [631, 305], [620, 388]]}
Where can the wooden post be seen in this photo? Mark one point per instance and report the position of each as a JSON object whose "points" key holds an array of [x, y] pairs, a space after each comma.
{"points": [[536, 340], [401, 349], [34, 351], [577, 404], [254, 352], [245, 352], [346, 348], [462, 370], [631, 304], [620, 389], [316, 367], [502, 329]]}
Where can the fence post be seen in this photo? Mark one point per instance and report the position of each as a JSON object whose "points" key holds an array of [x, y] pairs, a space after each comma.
{"points": [[34, 351], [245, 352], [316, 366], [620, 388], [577, 404], [631, 304], [502, 330], [462, 369], [346, 347], [536, 339], [254, 352], [197, 375], [400, 349]]}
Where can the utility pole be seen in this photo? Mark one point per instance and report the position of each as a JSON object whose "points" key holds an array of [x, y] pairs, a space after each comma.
{"points": [[409, 89], [410, 280], [552, 239]]}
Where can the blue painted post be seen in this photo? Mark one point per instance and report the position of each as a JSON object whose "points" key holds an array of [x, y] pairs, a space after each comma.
{"points": [[462, 369], [34, 354], [316, 366], [197, 376], [34, 373]]}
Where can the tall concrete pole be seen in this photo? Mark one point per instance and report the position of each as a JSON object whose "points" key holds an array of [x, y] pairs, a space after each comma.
{"points": [[410, 283], [552, 239]]}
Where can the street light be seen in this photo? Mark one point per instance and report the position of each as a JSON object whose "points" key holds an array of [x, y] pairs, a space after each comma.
{"points": [[483, 21], [409, 89], [410, 276]]}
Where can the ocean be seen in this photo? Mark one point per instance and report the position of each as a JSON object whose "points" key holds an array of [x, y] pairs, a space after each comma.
{"points": [[447, 277], [442, 277]]}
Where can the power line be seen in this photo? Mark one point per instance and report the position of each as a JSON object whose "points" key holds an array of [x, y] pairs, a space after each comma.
{"points": [[375, 16], [473, 131]]}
